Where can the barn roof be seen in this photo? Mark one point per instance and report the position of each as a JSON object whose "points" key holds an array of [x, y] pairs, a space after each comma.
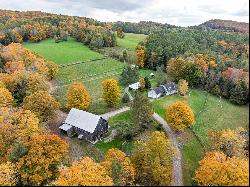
{"points": [[82, 119]]}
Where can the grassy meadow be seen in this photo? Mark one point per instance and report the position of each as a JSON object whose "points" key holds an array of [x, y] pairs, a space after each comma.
{"points": [[217, 115], [63, 52], [130, 40]]}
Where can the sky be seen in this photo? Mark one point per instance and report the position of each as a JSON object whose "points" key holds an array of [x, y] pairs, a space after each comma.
{"points": [[176, 12]]}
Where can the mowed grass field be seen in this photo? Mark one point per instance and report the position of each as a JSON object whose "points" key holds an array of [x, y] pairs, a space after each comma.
{"points": [[130, 40], [217, 115], [91, 74], [63, 52]]}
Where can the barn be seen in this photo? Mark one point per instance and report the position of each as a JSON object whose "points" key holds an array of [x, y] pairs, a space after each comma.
{"points": [[163, 90], [85, 125]]}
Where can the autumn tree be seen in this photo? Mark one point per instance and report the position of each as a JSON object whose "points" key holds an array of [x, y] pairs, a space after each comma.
{"points": [[42, 104], [6, 98], [40, 164], [176, 68], [8, 174], [120, 33], [85, 172], [228, 141], [119, 167], [142, 111], [36, 82], [142, 84], [111, 92], [216, 169], [52, 69], [77, 96], [140, 52], [153, 160], [179, 115], [182, 87], [11, 67]]}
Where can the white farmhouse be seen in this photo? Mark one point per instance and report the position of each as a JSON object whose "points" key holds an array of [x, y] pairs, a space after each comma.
{"points": [[163, 90]]}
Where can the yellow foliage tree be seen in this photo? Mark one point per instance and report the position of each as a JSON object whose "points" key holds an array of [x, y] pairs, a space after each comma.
{"points": [[140, 52], [119, 167], [52, 69], [142, 84], [153, 160], [111, 92], [86, 172], [179, 115], [6, 98], [42, 104], [45, 154], [228, 141], [77, 96], [8, 174], [182, 87], [22, 124], [36, 82], [216, 169]]}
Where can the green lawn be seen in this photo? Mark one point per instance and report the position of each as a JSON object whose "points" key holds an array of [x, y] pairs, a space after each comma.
{"points": [[130, 40], [214, 117], [63, 52]]}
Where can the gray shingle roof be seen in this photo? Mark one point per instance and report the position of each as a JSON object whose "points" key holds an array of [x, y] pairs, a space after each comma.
{"points": [[166, 87]]}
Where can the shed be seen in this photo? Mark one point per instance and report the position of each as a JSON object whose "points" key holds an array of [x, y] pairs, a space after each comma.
{"points": [[134, 86]]}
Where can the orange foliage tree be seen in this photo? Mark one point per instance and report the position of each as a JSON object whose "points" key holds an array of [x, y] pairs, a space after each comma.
{"points": [[140, 52], [8, 174], [86, 172], [119, 167], [179, 115], [111, 92], [6, 98], [218, 170], [42, 104], [40, 164], [77, 96], [11, 67]]}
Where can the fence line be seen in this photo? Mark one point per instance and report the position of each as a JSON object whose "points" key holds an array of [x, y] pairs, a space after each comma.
{"points": [[80, 62]]}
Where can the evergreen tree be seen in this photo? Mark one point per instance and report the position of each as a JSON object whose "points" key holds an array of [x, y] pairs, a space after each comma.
{"points": [[142, 110], [240, 93], [129, 75], [147, 83]]}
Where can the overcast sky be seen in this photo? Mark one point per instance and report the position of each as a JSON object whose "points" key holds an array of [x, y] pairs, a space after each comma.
{"points": [[177, 12]]}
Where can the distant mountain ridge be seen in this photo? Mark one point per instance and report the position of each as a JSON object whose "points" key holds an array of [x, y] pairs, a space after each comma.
{"points": [[226, 25]]}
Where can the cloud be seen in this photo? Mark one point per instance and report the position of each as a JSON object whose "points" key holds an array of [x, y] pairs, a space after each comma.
{"points": [[242, 13], [178, 12]]}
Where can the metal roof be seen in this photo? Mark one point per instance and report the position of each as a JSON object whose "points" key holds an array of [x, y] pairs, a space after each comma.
{"points": [[65, 127], [135, 86], [82, 119]]}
